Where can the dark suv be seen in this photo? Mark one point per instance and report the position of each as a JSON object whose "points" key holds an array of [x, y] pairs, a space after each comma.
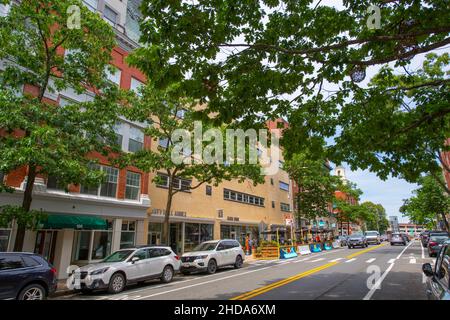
{"points": [[25, 276]]}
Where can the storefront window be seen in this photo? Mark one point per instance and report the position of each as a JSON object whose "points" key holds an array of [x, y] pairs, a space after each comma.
{"points": [[81, 248], [101, 245], [4, 239], [206, 232], [127, 237], [191, 236]]}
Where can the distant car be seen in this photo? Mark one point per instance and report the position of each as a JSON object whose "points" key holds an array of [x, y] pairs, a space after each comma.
{"points": [[342, 240], [373, 237], [438, 280], [405, 236], [357, 239], [128, 266], [210, 255], [397, 238], [384, 237], [424, 238], [26, 276], [435, 242]]}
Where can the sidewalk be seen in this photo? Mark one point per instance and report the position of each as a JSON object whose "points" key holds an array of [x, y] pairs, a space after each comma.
{"points": [[61, 289]]}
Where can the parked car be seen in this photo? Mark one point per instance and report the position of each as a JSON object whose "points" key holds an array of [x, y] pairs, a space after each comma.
{"points": [[26, 276], [397, 238], [373, 237], [210, 255], [357, 239], [128, 266], [342, 240], [435, 243], [424, 238], [438, 280], [405, 236]]}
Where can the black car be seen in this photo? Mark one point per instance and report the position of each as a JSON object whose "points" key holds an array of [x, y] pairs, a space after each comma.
{"points": [[424, 238], [438, 280], [26, 276]]}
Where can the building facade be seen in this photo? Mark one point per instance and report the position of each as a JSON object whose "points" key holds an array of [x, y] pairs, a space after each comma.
{"points": [[411, 228], [393, 224]]}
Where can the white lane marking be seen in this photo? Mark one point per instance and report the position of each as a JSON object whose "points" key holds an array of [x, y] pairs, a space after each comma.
{"points": [[371, 260], [353, 259], [391, 261], [200, 284], [378, 283], [337, 259], [423, 251], [412, 260], [320, 259]]}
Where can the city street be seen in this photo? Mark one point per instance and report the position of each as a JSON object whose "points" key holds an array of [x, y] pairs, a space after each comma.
{"points": [[378, 272]]}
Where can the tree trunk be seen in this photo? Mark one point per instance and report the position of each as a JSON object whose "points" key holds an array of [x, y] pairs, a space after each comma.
{"points": [[444, 218], [165, 233], [26, 205]]}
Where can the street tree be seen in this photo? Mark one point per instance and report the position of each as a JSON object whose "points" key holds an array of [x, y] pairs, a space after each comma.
{"points": [[375, 217], [307, 60], [429, 205], [36, 134], [346, 206], [170, 119], [316, 186]]}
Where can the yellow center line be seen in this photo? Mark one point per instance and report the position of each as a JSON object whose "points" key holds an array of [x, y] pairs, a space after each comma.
{"points": [[365, 250], [256, 292]]}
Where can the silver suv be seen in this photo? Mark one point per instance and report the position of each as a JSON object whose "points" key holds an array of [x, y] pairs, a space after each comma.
{"points": [[125, 267], [373, 237], [210, 255]]}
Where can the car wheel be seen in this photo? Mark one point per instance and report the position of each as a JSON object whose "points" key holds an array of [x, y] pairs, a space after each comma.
{"points": [[392, 244], [238, 263], [116, 283], [167, 274], [33, 292], [212, 266]]}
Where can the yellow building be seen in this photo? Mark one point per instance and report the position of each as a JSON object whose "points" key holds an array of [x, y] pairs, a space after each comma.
{"points": [[230, 210]]}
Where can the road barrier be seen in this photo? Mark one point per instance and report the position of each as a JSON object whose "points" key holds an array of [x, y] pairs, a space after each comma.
{"points": [[316, 247], [327, 246], [303, 250], [287, 252], [336, 244]]}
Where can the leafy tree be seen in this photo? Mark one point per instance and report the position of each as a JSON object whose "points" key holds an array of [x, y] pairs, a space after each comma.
{"points": [[176, 159], [305, 60], [347, 209], [46, 139], [429, 205], [315, 183], [375, 217]]}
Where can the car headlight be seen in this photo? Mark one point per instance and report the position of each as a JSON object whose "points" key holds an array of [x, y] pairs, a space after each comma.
{"points": [[201, 257], [99, 271]]}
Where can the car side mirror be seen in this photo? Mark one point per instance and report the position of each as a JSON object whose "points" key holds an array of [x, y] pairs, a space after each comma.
{"points": [[427, 269], [134, 259]]}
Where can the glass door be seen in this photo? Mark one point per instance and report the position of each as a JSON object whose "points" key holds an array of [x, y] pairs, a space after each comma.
{"points": [[45, 244]]}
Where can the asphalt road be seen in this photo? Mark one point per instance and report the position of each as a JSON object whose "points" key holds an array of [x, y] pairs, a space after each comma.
{"points": [[378, 272]]}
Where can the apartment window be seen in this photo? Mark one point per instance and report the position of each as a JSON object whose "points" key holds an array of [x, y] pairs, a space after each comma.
{"points": [[273, 204], [91, 4], [284, 186], [271, 181], [54, 184], [108, 188], [136, 85], [128, 234], [242, 197], [177, 183], [133, 185], [119, 136], [110, 16], [285, 207], [114, 75], [208, 190], [65, 102], [136, 141]]}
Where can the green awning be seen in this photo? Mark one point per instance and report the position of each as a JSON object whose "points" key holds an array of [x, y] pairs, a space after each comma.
{"points": [[64, 221]]}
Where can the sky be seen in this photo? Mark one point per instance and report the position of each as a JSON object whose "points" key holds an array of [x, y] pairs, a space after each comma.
{"points": [[389, 193]]}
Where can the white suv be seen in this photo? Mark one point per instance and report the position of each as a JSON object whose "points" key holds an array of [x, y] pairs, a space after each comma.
{"points": [[127, 266], [210, 255]]}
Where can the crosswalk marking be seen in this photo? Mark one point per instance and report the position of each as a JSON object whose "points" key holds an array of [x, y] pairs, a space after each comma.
{"points": [[371, 260], [337, 259], [391, 261], [353, 259]]}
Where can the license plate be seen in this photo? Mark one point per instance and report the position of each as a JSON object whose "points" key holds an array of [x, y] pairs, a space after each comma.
{"points": [[186, 264]]}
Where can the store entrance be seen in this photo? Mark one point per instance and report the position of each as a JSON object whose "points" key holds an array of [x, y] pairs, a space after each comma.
{"points": [[175, 237], [154, 238], [45, 244]]}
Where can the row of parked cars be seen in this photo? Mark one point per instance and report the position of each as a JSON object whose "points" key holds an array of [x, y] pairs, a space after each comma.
{"points": [[27, 276], [433, 240]]}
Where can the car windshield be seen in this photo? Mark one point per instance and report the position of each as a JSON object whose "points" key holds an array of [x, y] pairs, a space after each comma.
{"points": [[118, 256], [439, 239], [206, 246], [356, 235], [371, 233]]}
